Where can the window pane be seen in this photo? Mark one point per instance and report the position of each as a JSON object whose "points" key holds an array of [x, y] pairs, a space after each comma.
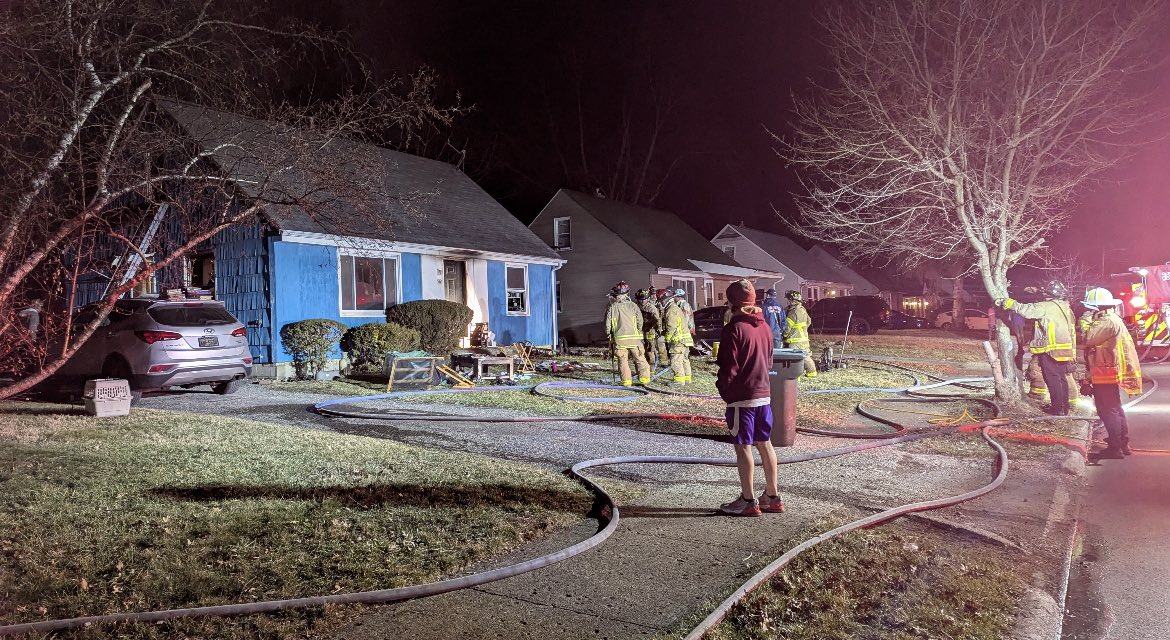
{"points": [[391, 275], [347, 303], [517, 302], [370, 284], [515, 277], [563, 234]]}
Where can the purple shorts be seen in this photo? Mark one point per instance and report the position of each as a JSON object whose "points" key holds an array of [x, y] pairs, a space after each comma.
{"points": [[754, 424]]}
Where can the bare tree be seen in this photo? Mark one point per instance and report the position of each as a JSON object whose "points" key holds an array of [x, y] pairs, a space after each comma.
{"points": [[964, 128], [614, 151], [110, 163]]}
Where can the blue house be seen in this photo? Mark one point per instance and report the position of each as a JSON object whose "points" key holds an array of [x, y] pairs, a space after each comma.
{"points": [[429, 233]]}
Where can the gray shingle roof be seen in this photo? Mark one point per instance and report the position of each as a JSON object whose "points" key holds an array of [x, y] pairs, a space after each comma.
{"points": [[659, 236], [791, 255], [409, 199]]}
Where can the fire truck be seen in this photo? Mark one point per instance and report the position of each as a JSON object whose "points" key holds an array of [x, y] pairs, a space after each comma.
{"points": [[1145, 292]]}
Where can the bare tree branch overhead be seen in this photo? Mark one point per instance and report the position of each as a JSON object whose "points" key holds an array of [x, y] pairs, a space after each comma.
{"points": [[964, 129], [91, 148]]}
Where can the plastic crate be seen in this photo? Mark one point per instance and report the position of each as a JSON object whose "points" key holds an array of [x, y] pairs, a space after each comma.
{"points": [[107, 397]]}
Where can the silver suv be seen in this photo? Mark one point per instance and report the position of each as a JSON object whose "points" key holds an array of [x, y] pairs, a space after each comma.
{"points": [[157, 344]]}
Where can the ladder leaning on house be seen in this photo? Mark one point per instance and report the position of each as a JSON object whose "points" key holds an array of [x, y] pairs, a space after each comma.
{"points": [[133, 259]]}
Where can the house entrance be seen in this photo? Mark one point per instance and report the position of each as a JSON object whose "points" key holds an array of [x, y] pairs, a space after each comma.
{"points": [[454, 280]]}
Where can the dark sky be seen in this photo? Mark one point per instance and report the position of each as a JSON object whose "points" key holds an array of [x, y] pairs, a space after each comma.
{"points": [[726, 70]]}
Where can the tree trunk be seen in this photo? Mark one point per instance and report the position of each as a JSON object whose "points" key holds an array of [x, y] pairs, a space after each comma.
{"points": [[957, 308], [1009, 392]]}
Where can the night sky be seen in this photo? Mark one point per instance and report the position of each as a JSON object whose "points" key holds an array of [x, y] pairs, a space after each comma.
{"points": [[726, 70]]}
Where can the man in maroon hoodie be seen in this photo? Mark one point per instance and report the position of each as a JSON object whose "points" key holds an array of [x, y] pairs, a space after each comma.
{"points": [[745, 359]]}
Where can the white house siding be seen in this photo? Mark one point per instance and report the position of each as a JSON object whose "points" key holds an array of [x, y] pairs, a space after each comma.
{"points": [[597, 260], [750, 255]]}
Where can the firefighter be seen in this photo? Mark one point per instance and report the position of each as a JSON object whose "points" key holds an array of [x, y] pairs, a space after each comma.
{"points": [[651, 325], [1113, 367], [775, 317], [681, 296], [623, 325], [678, 338], [796, 324], [1053, 341]]}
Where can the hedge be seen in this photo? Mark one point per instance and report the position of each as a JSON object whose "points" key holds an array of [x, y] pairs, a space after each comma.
{"points": [[440, 323], [310, 342], [368, 344]]}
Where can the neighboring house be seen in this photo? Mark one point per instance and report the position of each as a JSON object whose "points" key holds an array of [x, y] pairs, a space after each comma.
{"points": [[861, 285], [604, 242], [452, 241], [769, 251]]}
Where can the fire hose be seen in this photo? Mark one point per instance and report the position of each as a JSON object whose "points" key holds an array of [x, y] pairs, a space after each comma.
{"points": [[444, 586]]}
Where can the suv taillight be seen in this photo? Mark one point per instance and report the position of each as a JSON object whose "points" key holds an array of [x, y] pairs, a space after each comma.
{"points": [[151, 337], [240, 333]]}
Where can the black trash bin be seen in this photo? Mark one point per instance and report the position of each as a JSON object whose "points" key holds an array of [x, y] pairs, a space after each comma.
{"points": [[787, 366]]}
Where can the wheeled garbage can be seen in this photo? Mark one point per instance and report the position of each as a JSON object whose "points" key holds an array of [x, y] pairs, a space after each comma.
{"points": [[787, 366]]}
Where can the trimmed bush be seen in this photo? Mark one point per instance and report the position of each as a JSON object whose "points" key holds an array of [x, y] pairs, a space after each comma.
{"points": [[440, 323], [368, 344], [310, 342]]}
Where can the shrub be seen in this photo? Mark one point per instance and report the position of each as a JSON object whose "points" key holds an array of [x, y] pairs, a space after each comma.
{"points": [[310, 342], [440, 323], [368, 344]]}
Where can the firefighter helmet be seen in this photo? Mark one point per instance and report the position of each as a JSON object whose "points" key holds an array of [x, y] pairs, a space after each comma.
{"points": [[642, 294], [681, 293], [793, 294], [1056, 289], [1099, 297], [662, 294], [621, 288]]}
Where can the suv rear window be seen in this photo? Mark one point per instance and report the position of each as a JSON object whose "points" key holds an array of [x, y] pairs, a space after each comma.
{"points": [[200, 316]]}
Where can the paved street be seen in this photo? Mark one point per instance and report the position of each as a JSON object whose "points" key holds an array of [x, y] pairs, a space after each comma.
{"points": [[1118, 587]]}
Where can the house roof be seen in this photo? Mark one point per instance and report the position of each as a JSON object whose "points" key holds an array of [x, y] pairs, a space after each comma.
{"points": [[361, 190], [659, 236], [791, 255]]}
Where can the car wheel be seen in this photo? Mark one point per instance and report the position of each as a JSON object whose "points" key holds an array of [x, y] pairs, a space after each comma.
{"points": [[861, 327], [227, 388], [946, 326], [117, 367]]}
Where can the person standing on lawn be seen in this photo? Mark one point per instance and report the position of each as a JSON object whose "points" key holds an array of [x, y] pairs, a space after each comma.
{"points": [[745, 361], [623, 325], [1053, 340], [775, 316], [678, 339], [1114, 367], [796, 325]]}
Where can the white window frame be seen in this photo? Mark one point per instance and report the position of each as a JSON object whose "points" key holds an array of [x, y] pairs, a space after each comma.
{"points": [[343, 253], [729, 249], [692, 291], [527, 290], [557, 233]]}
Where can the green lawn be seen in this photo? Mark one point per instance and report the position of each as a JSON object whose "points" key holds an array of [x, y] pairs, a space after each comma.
{"points": [[162, 510], [899, 581]]}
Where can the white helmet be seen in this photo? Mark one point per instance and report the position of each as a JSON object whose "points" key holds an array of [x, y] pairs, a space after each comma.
{"points": [[1099, 297]]}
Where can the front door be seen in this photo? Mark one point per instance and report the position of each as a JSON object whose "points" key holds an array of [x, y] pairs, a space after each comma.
{"points": [[454, 280]]}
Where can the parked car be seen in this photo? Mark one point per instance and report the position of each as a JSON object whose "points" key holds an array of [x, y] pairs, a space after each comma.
{"points": [[900, 320], [972, 319], [155, 344], [870, 313], [709, 323]]}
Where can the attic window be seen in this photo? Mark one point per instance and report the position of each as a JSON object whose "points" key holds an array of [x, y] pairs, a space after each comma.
{"points": [[562, 234], [516, 277], [729, 249]]}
